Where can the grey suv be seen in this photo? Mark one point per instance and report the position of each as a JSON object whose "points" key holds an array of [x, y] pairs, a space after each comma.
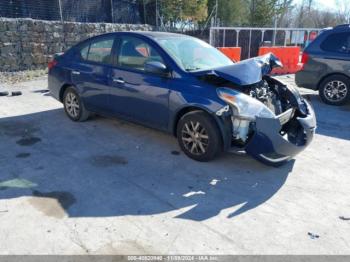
{"points": [[326, 65]]}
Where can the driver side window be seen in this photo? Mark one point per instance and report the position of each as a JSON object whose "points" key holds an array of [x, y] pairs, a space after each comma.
{"points": [[134, 53]]}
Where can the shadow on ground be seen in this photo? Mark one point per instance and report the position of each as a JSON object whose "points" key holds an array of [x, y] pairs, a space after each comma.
{"points": [[106, 167]]}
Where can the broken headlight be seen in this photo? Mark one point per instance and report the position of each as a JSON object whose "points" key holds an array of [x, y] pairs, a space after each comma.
{"points": [[246, 106]]}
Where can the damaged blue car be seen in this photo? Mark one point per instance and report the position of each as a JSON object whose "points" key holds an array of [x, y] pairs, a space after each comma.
{"points": [[188, 88]]}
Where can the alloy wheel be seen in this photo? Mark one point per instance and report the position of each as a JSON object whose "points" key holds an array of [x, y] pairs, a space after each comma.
{"points": [[195, 138], [72, 104], [335, 91]]}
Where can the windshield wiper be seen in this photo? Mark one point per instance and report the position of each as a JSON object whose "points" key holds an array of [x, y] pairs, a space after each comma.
{"points": [[192, 69]]}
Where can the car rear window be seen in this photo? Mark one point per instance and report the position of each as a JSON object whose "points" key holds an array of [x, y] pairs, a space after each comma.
{"points": [[337, 42]]}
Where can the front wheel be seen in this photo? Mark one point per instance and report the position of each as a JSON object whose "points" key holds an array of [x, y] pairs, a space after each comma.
{"points": [[334, 90], [199, 136], [74, 106]]}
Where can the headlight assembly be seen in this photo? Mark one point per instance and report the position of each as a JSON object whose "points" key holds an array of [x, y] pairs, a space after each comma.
{"points": [[246, 106]]}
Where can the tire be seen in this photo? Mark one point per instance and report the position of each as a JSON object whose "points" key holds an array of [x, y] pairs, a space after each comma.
{"points": [[335, 90], [16, 93], [199, 136], [74, 106]]}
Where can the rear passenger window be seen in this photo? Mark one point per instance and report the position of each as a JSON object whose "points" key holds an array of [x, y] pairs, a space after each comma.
{"points": [[98, 51], [84, 52], [338, 42]]}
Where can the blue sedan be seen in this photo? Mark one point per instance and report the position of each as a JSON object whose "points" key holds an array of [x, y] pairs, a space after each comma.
{"points": [[186, 87]]}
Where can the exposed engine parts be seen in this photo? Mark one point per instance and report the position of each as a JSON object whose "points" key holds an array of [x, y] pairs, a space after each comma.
{"points": [[267, 95], [274, 95]]}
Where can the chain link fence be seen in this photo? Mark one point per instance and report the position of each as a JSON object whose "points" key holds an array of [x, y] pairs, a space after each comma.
{"points": [[251, 38], [93, 11]]}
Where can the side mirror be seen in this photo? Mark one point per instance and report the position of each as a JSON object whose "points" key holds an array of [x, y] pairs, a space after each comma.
{"points": [[156, 67]]}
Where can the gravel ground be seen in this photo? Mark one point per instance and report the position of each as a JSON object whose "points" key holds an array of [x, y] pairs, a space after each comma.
{"points": [[11, 78], [110, 187]]}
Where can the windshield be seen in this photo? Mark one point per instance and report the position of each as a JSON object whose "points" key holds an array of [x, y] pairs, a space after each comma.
{"points": [[193, 54]]}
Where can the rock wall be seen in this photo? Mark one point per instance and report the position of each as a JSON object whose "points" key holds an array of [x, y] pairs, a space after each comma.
{"points": [[29, 44]]}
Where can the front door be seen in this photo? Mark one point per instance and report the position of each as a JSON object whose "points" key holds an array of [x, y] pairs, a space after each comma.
{"points": [[136, 94]]}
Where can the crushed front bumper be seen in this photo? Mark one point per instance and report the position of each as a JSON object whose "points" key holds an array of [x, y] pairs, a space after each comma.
{"points": [[269, 146]]}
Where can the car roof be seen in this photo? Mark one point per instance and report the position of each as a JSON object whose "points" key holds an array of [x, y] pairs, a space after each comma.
{"points": [[343, 26], [149, 34], [338, 28], [155, 34], [323, 34]]}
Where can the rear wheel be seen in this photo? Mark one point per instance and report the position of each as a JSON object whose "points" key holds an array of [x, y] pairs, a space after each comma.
{"points": [[334, 90], [74, 106], [199, 136]]}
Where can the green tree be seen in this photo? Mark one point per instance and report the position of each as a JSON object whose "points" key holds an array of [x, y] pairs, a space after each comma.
{"points": [[181, 11], [265, 12], [230, 12]]}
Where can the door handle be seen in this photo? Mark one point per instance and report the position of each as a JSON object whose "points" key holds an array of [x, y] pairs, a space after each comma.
{"points": [[119, 80], [75, 72]]}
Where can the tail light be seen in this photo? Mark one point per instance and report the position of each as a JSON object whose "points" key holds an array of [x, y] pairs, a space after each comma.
{"points": [[52, 64], [304, 59]]}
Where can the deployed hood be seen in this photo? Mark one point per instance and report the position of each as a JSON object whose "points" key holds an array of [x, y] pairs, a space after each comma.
{"points": [[247, 72]]}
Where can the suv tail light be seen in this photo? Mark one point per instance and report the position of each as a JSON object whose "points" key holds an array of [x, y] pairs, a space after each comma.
{"points": [[52, 64], [304, 59]]}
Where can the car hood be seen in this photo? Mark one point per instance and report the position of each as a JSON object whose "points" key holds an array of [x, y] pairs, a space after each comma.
{"points": [[247, 72]]}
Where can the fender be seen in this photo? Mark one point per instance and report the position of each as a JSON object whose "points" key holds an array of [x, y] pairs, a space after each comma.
{"points": [[184, 104]]}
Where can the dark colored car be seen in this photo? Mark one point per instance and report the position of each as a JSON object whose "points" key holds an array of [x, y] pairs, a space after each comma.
{"points": [[186, 87], [326, 65]]}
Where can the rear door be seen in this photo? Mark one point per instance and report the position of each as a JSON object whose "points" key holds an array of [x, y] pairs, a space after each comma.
{"points": [[135, 93], [92, 71]]}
